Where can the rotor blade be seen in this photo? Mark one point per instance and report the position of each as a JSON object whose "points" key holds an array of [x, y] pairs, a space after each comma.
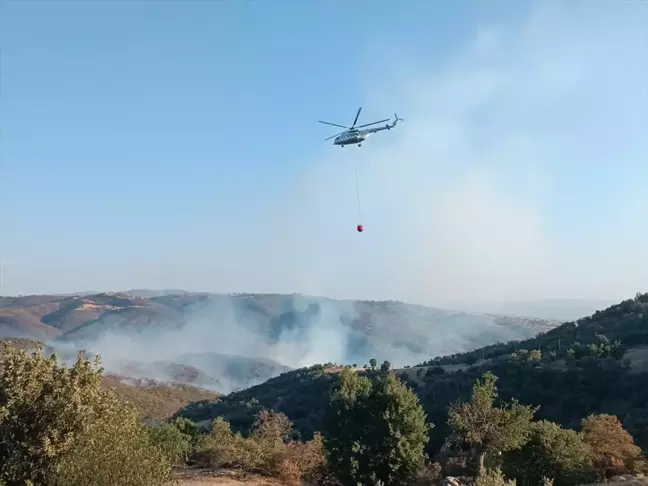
{"points": [[386, 119], [356, 118], [334, 124], [332, 136]]}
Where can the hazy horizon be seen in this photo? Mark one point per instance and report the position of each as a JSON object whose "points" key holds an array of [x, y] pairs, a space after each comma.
{"points": [[176, 145]]}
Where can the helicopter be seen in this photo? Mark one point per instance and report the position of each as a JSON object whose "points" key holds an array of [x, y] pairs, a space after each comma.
{"points": [[353, 135]]}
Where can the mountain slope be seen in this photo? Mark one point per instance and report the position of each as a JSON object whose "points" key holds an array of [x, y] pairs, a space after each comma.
{"points": [[575, 369]]}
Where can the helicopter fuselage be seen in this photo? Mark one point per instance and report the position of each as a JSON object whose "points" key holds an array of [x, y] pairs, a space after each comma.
{"points": [[351, 138], [356, 137]]}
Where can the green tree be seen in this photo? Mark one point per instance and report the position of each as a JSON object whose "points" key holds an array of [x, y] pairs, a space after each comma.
{"points": [[53, 418], [486, 428], [386, 366], [375, 431], [373, 363], [551, 452]]}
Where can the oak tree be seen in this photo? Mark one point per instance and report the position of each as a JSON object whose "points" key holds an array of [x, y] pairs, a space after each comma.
{"points": [[486, 428], [375, 431]]}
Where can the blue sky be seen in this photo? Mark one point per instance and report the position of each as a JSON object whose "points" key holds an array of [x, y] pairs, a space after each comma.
{"points": [[175, 144]]}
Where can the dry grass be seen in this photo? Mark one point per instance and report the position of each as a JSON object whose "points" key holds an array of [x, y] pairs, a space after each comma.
{"points": [[158, 401]]}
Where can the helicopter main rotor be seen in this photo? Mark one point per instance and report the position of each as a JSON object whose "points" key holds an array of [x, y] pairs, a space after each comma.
{"points": [[353, 127]]}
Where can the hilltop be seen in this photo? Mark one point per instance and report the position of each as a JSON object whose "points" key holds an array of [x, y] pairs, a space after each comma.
{"points": [[598, 364]]}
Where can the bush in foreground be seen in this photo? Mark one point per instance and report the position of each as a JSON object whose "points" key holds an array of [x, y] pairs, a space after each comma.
{"points": [[57, 424], [268, 450], [494, 477], [551, 452]]}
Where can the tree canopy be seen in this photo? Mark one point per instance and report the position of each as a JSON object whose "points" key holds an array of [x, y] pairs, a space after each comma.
{"points": [[56, 422], [375, 431], [487, 428]]}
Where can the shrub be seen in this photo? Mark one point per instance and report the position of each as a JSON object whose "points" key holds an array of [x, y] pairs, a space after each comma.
{"points": [[265, 449], [303, 461], [116, 451], [494, 477], [174, 444], [270, 431], [429, 475], [57, 420], [223, 448], [551, 452]]}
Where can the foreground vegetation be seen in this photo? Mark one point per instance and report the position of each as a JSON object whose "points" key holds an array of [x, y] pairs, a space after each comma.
{"points": [[59, 427]]}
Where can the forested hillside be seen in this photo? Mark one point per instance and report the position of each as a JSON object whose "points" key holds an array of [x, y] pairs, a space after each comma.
{"points": [[597, 364]]}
